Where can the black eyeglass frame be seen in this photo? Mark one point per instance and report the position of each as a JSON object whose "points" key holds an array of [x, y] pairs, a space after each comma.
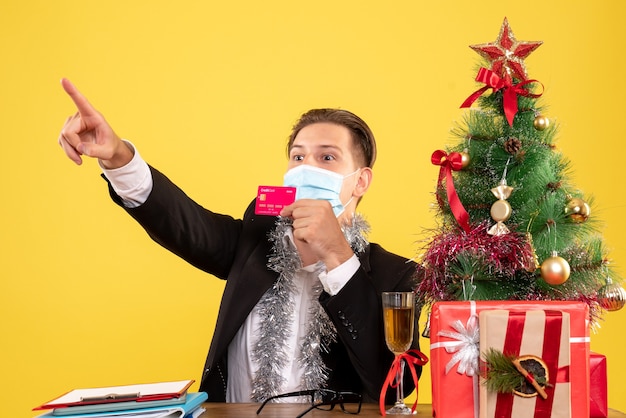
{"points": [[329, 398]]}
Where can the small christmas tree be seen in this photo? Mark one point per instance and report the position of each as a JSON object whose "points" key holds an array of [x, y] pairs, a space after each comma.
{"points": [[511, 224]]}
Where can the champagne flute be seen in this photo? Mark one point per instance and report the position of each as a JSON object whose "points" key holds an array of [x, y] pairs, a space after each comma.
{"points": [[398, 317]]}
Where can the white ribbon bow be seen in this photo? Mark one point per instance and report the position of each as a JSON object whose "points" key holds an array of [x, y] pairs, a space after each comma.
{"points": [[465, 347]]}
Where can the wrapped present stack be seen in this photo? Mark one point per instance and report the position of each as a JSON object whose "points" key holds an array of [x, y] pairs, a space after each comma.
{"points": [[517, 273]]}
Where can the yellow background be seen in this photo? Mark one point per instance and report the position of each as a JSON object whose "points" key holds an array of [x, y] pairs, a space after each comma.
{"points": [[208, 92]]}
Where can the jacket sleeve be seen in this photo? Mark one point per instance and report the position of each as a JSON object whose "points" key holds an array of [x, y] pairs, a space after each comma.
{"points": [[357, 314], [205, 239]]}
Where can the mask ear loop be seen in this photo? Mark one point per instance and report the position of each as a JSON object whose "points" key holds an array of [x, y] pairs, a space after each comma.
{"points": [[348, 202], [352, 174], [352, 196], [357, 182]]}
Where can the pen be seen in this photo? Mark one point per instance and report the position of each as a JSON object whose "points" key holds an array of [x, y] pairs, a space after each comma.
{"points": [[110, 396]]}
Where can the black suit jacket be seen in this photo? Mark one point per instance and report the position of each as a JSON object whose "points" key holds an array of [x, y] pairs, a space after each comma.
{"points": [[237, 250]]}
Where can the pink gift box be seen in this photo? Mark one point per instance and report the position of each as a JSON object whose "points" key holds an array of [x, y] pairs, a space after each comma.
{"points": [[599, 405], [455, 387]]}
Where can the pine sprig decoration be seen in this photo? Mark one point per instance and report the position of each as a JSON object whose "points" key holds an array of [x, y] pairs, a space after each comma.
{"points": [[500, 374]]}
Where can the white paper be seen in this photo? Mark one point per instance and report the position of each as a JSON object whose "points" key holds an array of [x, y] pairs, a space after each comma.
{"points": [[77, 395]]}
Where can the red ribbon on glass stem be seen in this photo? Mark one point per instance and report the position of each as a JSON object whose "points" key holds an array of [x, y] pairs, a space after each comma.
{"points": [[412, 358], [509, 93], [449, 162]]}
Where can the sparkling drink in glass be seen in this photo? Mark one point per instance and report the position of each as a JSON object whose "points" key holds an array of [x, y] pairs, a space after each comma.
{"points": [[398, 316]]}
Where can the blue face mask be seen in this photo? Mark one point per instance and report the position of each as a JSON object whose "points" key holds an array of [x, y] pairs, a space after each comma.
{"points": [[316, 183]]}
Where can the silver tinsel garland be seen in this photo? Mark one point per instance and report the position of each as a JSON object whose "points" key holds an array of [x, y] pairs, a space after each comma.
{"points": [[276, 310]]}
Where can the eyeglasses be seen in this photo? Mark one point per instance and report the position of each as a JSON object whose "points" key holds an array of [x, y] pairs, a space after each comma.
{"points": [[325, 400]]}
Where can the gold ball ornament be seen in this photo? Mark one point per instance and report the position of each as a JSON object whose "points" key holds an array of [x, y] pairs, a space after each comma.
{"points": [[578, 210], [465, 159], [555, 270], [541, 122], [612, 296]]}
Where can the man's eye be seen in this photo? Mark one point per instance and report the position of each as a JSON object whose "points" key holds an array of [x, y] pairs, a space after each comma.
{"points": [[328, 157], [298, 158]]}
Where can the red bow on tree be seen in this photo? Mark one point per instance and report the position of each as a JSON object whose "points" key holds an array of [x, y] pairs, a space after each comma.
{"points": [[509, 93], [449, 162]]}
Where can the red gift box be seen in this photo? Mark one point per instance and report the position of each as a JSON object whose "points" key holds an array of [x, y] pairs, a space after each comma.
{"points": [[599, 405], [543, 334], [454, 354]]}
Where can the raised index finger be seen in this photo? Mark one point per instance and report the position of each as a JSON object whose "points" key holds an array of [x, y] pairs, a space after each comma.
{"points": [[81, 102]]}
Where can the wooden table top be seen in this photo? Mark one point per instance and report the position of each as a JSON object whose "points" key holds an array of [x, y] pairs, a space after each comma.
{"points": [[291, 410]]}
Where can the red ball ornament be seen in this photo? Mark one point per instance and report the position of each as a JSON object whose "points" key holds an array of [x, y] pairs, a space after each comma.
{"points": [[555, 270]]}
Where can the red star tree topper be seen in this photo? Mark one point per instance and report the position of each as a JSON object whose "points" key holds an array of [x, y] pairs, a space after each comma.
{"points": [[507, 54]]}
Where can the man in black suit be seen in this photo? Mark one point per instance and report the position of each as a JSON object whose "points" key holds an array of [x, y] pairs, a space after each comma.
{"points": [[302, 303]]}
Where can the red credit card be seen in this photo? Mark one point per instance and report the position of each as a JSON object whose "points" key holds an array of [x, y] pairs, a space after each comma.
{"points": [[271, 199]]}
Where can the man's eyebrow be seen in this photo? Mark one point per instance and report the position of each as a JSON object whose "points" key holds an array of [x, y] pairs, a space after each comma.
{"points": [[329, 147], [322, 147]]}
